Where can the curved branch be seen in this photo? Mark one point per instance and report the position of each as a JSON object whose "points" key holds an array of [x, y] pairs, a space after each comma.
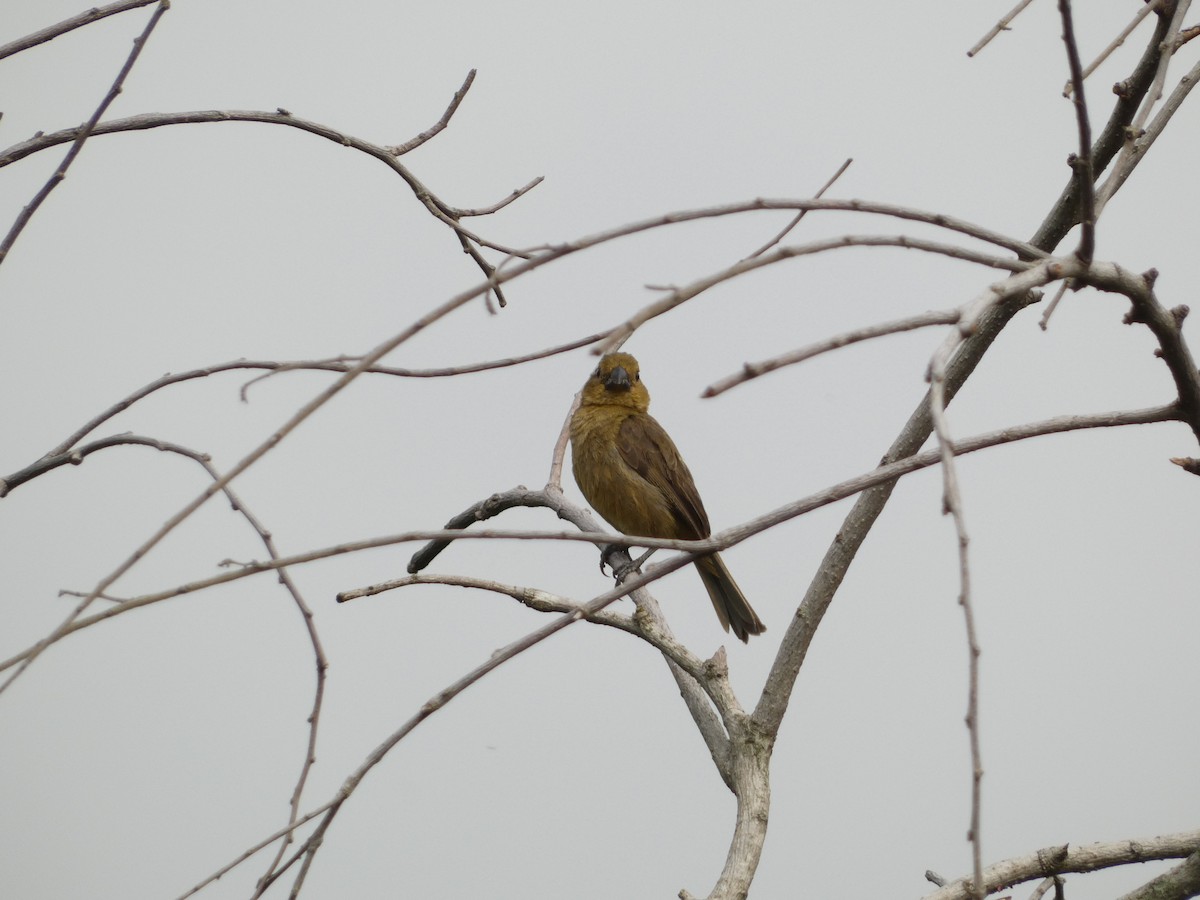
{"points": [[320, 661], [447, 214]]}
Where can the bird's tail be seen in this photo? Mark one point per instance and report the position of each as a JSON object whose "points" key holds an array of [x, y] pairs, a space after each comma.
{"points": [[728, 599]]}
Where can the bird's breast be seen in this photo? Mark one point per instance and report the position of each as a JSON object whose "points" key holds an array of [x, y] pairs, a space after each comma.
{"points": [[624, 498]]}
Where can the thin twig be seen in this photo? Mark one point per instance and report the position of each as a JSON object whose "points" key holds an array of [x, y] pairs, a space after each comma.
{"points": [[751, 371], [1000, 26], [800, 215], [558, 456], [1136, 139], [345, 363], [1116, 42], [1081, 161], [500, 204], [1044, 321], [1114, 137], [539, 601], [1160, 76], [1138, 147], [82, 134], [251, 851], [440, 124], [84, 18], [1040, 891], [63, 453]]}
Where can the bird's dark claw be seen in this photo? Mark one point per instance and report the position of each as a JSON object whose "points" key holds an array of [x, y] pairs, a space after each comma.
{"points": [[617, 559], [609, 557]]}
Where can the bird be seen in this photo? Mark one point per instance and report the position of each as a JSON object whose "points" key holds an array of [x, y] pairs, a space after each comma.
{"points": [[631, 472]]}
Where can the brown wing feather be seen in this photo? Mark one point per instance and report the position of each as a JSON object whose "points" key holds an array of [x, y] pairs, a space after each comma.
{"points": [[647, 448]]}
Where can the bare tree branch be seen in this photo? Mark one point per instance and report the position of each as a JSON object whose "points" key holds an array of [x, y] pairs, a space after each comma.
{"points": [[81, 134], [1130, 93], [84, 18], [800, 215], [440, 125], [1081, 161], [1002, 25], [449, 215], [251, 851], [1139, 145], [1116, 42], [679, 296], [1167, 327], [1067, 858], [751, 371]]}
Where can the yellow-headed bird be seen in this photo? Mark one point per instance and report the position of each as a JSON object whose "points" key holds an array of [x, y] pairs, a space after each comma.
{"points": [[632, 474]]}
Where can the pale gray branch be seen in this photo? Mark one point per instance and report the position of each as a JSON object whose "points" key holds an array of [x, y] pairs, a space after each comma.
{"points": [[1067, 858]]}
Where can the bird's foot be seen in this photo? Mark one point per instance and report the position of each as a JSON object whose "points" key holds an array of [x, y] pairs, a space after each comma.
{"points": [[621, 568], [609, 557]]}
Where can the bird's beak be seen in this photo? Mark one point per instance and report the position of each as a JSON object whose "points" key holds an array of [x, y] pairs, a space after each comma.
{"points": [[618, 380]]}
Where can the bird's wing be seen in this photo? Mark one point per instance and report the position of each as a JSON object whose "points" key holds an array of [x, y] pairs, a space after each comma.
{"points": [[649, 451]]}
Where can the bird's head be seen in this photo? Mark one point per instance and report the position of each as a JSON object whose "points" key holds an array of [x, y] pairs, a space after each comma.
{"points": [[617, 381]]}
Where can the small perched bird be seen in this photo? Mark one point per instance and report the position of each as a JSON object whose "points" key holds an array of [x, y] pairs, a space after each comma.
{"points": [[631, 473]]}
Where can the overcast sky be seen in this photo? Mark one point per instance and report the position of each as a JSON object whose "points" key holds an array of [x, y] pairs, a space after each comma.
{"points": [[139, 756]]}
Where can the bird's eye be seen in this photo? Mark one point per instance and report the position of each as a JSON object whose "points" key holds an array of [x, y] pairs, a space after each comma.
{"points": [[637, 377], [596, 374]]}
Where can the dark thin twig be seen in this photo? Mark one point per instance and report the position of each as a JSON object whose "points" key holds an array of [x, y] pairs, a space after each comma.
{"points": [[1081, 161], [83, 134], [1116, 42]]}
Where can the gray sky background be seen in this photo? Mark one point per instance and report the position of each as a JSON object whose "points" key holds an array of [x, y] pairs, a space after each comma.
{"points": [[139, 756]]}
